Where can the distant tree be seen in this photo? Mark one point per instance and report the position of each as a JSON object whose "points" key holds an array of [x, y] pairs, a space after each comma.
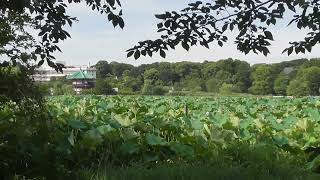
{"points": [[119, 68], [167, 74], [281, 84], [130, 84], [311, 63], [150, 89], [184, 69], [213, 85], [44, 89], [311, 76], [298, 88], [67, 89], [160, 90], [103, 87], [224, 76], [152, 75], [193, 82], [209, 70], [226, 89], [103, 69], [147, 88], [262, 82], [57, 88], [241, 76]]}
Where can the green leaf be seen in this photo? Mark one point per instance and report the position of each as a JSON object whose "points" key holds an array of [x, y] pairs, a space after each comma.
{"points": [[71, 138], [40, 63], [182, 150], [268, 35], [218, 119], [224, 27], [162, 53], [130, 53], [92, 139], [129, 147], [77, 124], [161, 16], [155, 140], [185, 45], [281, 141], [161, 109], [314, 164], [150, 157], [124, 120], [137, 54], [129, 133], [105, 129], [195, 123], [121, 23]]}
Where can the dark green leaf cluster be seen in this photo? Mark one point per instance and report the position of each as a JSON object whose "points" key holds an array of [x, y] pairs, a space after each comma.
{"points": [[48, 18], [121, 130], [224, 76], [202, 23]]}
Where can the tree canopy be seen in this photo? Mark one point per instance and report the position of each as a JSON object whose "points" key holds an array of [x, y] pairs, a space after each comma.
{"points": [[297, 77], [48, 18], [204, 22]]}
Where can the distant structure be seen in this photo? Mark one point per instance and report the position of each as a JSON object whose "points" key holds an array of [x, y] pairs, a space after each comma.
{"points": [[44, 74], [288, 70], [82, 80]]}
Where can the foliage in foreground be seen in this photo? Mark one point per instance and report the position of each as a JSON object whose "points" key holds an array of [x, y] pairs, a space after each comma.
{"points": [[133, 129], [118, 131], [237, 162]]}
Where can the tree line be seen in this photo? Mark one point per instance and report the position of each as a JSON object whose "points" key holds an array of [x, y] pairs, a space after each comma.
{"points": [[300, 77]]}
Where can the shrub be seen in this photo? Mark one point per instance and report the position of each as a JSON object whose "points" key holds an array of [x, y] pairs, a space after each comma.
{"points": [[298, 88], [151, 89], [213, 85], [159, 90], [90, 91], [226, 88], [281, 84], [103, 88]]}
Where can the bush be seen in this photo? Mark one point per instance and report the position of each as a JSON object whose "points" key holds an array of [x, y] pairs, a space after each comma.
{"points": [[226, 88], [213, 85], [103, 88], [298, 88], [159, 90], [16, 85], [150, 89], [87, 91], [281, 84], [44, 89]]}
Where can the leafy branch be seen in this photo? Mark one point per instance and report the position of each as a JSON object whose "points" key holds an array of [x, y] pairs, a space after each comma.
{"points": [[199, 24]]}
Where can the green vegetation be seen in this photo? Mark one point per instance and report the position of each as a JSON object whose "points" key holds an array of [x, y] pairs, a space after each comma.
{"points": [[295, 78], [123, 133], [65, 137]]}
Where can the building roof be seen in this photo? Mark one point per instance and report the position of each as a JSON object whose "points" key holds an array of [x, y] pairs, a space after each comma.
{"points": [[81, 75]]}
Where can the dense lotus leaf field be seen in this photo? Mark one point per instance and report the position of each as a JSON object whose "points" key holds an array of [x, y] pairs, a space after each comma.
{"points": [[156, 129]]}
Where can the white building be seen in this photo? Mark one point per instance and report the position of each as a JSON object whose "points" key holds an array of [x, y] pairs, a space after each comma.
{"points": [[44, 74]]}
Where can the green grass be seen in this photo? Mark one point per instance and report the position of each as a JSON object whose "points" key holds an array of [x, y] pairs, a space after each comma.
{"points": [[239, 162], [199, 171]]}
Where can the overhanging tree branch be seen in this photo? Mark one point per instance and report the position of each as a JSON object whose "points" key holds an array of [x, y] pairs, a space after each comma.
{"points": [[199, 24]]}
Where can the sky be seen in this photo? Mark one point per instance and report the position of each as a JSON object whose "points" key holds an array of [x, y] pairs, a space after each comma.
{"points": [[94, 38]]}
